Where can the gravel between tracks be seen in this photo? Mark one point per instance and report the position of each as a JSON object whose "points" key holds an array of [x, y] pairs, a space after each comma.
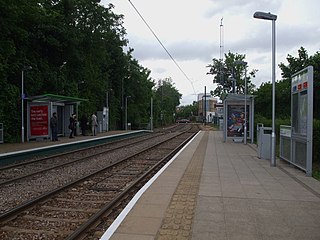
{"points": [[17, 193]]}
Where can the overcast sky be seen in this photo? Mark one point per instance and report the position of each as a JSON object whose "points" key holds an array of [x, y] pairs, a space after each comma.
{"points": [[190, 30]]}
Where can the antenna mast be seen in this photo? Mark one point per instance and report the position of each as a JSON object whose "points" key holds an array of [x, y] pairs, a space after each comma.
{"points": [[221, 50], [221, 40]]}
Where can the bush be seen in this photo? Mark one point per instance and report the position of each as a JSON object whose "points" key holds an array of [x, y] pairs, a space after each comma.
{"points": [[268, 123], [316, 136], [316, 141]]}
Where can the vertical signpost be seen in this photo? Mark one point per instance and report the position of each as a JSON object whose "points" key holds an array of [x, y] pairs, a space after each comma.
{"points": [[302, 119]]}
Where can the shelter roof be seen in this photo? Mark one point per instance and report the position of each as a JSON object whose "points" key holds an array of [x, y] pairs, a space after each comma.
{"points": [[56, 98], [235, 97]]}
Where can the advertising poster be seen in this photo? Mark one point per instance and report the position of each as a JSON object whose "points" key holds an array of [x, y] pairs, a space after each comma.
{"points": [[39, 120], [236, 120]]}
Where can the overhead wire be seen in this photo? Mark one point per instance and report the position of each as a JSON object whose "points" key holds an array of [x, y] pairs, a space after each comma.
{"points": [[166, 50]]}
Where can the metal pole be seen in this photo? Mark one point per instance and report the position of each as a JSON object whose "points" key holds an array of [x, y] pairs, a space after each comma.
{"points": [[126, 112], [245, 105], [151, 114], [205, 104], [273, 18], [126, 109], [107, 99], [22, 109], [122, 101], [273, 136], [107, 113]]}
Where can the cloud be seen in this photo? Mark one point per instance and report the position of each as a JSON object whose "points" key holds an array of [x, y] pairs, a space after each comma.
{"points": [[159, 70], [191, 33], [236, 7], [180, 50]]}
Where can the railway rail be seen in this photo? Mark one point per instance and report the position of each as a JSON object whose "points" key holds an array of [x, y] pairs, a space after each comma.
{"points": [[14, 172], [73, 209], [42, 174]]}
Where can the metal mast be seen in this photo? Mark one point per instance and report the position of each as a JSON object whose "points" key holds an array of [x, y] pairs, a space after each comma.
{"points": [[221, 49]]}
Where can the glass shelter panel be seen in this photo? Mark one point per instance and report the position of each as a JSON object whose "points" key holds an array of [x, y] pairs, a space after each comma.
{"points": [[302, 119], [235, 121]]}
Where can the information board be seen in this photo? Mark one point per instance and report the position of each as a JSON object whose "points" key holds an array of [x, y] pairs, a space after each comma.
{"points": [[302, 119]]}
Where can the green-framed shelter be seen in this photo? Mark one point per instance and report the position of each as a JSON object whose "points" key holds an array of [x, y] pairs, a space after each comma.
{"points": [[40, 109]]}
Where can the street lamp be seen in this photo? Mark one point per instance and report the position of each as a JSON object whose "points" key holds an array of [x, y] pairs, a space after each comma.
{"points": [[60, 79], [243, 63], [22, 98], [273, 18], [62, 65], [233, 80], [126, 112]]}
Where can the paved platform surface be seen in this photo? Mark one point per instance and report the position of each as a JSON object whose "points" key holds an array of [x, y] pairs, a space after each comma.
{"points": [[216, 190], [13, 147]]}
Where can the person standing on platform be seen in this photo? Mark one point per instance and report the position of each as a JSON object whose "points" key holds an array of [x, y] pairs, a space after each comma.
{"points": [[94, 124], [76, 124], [54, 127], [72, 125]]}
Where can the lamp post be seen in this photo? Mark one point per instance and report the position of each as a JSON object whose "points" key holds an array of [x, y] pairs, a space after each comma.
{"points": [[22, 100], [273, 18], [126, 112], [61, 79], [151, 114], [107, 111], [243, 63]]}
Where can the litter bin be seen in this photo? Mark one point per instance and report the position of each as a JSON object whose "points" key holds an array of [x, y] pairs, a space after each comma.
{"points": [[264, 147], [259, 125], [100, 127], [1, 132]]}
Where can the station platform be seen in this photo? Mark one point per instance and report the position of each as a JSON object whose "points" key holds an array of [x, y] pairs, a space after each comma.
{"points": [[14, 147], [217, 190]]}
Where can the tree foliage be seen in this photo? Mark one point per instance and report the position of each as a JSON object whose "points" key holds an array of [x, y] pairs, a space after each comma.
{"points": [[188, 111], [230, 76], [75, 48], [167, 98], [283, 87], [296, 64]]}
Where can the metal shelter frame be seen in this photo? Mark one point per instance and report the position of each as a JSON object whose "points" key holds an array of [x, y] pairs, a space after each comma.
{"points": [[235, 104], [46, 104]]}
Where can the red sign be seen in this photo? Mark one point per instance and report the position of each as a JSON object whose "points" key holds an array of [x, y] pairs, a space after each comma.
{"points": [[305, 85], [39, 121]]}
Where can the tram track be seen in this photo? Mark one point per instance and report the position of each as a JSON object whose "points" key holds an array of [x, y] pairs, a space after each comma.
{"points": [[15, 172], [63, 211], [37, 184]]}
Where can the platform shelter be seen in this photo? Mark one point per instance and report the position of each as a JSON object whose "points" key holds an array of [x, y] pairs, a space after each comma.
{"points": [[40, 109], [234, 117]]}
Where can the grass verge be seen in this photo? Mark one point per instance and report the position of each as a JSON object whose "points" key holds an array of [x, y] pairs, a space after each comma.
{"points": [[316, 171]]}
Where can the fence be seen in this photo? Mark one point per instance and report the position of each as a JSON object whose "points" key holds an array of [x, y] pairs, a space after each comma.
{"points": [[285, 142]]}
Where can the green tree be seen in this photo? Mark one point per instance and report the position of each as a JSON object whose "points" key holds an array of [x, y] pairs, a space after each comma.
{"points": [[138, 85], [296, 64], [75, 49], [167, 98], [229, 76], [263, 94], [263, 99], [188, 111]]}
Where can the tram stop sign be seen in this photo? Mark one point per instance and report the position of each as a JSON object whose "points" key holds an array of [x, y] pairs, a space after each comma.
{"points": [[302, 119]]}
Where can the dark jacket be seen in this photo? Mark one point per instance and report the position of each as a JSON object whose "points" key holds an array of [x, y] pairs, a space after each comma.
{"points": [[53, 122]]}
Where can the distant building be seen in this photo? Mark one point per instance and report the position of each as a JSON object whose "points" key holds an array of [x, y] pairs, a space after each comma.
{"points": [[206, 107]]}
